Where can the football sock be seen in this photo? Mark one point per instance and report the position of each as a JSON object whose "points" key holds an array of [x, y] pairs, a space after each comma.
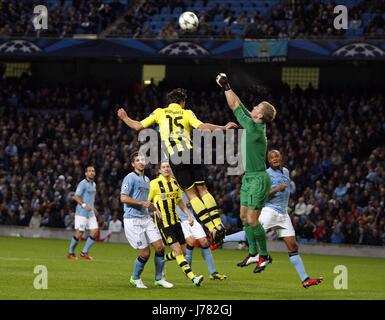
{"points": [[159, 264], [139, 264], [201, 213], [260, 236], [208, 257], [185, 266], [73, 244], [296, 261], [250, 239], [236, 237], [212, 209], [170, 256], [90, 241], [189, 254]]}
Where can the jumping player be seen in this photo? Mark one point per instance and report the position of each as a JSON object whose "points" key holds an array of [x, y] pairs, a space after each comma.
{"points": [[175, 126]]}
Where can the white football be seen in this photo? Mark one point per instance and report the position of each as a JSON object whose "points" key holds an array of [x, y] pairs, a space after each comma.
{"points": [[188, 21]]}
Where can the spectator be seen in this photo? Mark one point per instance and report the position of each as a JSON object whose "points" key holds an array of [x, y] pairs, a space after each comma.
{"points": [[115, 224], [35, 221]]}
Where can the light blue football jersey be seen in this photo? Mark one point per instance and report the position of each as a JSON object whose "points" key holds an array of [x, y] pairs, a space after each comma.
{"points": [[86, 190], [280, 200], [136, 187], [182, 215]]}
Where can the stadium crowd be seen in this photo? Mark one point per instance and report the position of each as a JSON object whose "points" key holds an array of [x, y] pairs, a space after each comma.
{"points": [[218, 19], [331, 142]]}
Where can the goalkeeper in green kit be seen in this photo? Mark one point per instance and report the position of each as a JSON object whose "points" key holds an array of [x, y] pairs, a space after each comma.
{"points": [[256, 182]]}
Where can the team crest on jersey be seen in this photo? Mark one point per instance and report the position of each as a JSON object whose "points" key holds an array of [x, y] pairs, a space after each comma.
{"points": [[125, 186], [169, 240], [139, 243]]}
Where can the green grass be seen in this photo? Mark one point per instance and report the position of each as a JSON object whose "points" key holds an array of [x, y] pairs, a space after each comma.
{"points": [[106, 277]]}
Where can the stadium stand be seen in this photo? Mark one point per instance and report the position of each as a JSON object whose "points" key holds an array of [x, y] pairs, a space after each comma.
{"points": [[218, 19]]}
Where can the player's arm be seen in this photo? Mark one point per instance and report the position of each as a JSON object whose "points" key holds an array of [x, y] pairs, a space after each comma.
{"points": [[197, 124], [137, 203], [280, 187], [133, 124], [213, 127], [187, 212], [240, 111]]}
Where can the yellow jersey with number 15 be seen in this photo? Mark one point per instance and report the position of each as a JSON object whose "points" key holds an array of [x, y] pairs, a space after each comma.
{"points": [[175, 126]]}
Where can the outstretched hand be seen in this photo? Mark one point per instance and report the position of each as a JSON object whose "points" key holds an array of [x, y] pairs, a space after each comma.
{"points": [[223, 81], [122, 114], [231, 125]]}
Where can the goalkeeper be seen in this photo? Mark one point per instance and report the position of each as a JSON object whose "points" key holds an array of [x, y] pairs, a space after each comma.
{"points": [[256, 182]]}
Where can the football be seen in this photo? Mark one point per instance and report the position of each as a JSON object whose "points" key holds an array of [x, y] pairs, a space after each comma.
{"points": [[188, 21]]}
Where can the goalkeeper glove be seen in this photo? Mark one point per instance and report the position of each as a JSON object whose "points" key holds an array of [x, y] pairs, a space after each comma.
{"points": [[223, 81]]}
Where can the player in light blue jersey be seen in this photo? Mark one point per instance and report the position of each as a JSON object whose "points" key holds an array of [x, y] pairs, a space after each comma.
{"points": [[139, 228], [85, 214], [274, 216], [192, 233]]}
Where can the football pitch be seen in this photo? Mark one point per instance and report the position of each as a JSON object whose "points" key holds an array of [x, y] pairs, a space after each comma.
{"points": [[106, 277]]}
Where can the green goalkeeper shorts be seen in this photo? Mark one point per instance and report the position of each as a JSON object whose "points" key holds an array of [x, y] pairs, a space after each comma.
{"points": [[255, 190]]}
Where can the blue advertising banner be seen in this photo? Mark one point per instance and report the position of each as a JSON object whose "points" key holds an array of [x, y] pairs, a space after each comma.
{"points": [[249, 50], [125, 48], [336, 49], [261, 51]]}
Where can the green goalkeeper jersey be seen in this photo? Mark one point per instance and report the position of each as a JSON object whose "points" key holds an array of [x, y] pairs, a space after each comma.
{"points": [[254, 141]]}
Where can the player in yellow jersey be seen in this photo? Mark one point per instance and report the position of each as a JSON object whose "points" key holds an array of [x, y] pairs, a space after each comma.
{"points": [[166, 195], [175, 125]]}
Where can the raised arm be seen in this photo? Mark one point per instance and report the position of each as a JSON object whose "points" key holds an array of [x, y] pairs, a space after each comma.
{"points": [[212, 127], [133, 124], [232, 99]]}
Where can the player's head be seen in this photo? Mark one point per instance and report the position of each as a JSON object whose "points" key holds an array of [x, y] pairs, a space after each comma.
{"points": [[165, 169], [274, 158], [264, 112], [178, 96], [90, 172], [137, 161]]}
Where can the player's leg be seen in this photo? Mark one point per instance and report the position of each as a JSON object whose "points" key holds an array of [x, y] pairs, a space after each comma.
{"points": [[208, 258], [212, 209], [155, 238], [139, 264], [252, 254], [80, 226], [287, 233], [239, 236], [93, 226], [199, 208], [135, 234], [176, 239], [190, 241]]}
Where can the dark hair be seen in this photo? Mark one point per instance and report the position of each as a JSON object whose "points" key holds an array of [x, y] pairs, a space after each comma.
{"points": [[177, 95], [89, 166], [133, 156]]}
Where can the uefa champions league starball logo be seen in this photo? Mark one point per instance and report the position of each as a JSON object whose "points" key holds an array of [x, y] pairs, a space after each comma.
{"points": [[359, 50], [19, 46], [184, 49]]}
